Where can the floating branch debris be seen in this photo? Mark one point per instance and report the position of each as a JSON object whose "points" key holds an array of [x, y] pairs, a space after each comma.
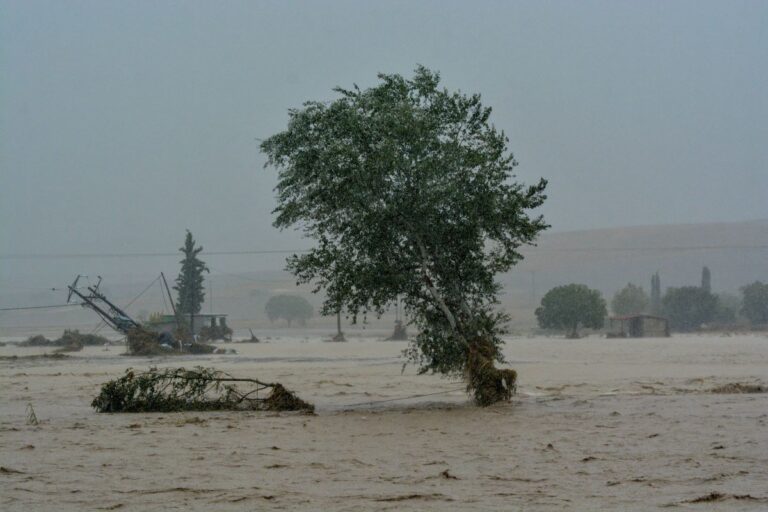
{"points": [[197, 389]]}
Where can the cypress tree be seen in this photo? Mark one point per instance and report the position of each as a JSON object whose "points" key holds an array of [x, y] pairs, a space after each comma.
{"points": [[655, 294], [189, 283], [706, 280]]}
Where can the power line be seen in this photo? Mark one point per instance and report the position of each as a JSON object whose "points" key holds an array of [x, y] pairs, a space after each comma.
{"points": [[39, 307], [142, 292], [668, 248], [143, 254]]}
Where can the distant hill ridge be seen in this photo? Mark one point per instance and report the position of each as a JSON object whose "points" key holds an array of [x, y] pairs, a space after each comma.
{"points": [[735, 252]]}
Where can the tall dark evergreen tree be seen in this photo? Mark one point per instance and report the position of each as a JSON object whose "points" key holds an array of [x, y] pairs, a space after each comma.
{"points": [[189, 283], [655, 294], [706, 280]]}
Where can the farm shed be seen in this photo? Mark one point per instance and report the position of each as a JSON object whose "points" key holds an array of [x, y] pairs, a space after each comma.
{"points": [[638, 326]]}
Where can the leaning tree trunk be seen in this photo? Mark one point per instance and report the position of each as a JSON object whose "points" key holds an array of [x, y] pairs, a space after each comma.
{"points": [[487, 383]]}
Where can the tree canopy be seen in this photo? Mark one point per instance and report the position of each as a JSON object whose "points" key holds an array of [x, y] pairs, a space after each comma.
{"points": [[631, 299], [755, 302], [409, 191], [689, 307], [570, 307], [189, 283], [728, 307], [288, 307]]}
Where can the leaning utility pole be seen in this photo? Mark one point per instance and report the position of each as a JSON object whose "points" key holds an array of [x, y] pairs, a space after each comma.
{"points": [[173, 307], [112, 315]]}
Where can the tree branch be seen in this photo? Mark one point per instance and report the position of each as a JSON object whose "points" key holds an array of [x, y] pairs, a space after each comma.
{"points": [[433, 291]]}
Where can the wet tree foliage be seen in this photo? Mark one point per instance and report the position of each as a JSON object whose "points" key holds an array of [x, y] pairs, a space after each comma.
{"points": [[196, 389], [409, 191]]}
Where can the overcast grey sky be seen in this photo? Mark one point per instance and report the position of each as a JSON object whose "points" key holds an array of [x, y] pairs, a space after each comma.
{"points": [[123, 123]]}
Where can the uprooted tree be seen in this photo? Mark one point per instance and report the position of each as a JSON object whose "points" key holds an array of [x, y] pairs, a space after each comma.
{"points": [[196, 389], [409, 191]]}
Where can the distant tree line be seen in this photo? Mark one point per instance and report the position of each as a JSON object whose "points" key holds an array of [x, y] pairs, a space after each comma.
{"points": [[688, 308]]}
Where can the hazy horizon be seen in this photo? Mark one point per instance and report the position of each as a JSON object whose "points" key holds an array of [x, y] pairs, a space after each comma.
{"points": [[123, 124]]}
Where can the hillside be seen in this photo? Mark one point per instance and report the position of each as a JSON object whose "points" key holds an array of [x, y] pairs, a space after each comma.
{"points": [[607, 259]]}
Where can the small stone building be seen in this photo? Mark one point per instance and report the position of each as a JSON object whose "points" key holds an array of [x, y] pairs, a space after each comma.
{"points": [[638, 326]]}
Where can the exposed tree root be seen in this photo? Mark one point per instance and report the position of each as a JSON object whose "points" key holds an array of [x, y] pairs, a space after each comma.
{"points": [[487, 383]]}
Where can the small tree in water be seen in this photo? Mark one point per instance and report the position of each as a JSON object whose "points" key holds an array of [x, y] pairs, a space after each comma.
{"points": [[408, 190], [189, 283]]}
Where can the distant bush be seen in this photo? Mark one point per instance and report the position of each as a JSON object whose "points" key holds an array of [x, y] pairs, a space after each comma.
{"points": [[754, 303], [571, 306], [68, 338], [689, 307], [290, 308], [631, 299], [37, 341]]}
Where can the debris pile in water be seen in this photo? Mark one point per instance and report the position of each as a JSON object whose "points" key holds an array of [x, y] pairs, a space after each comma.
{"points": [[143, 342], [739, 387], [196, 389], [216, 332], [70, 340]]}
